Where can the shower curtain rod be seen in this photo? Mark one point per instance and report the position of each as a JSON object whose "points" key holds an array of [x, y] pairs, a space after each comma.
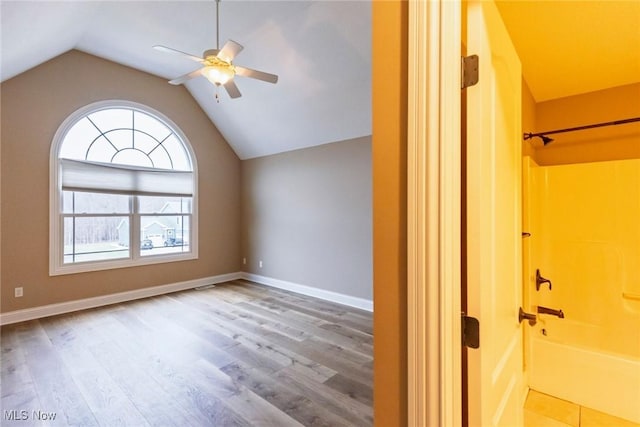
{"points": [[546, 139]]}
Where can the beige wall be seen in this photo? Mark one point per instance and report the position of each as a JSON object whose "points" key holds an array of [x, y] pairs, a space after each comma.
{"points": [[307, 216], [606, 143], [34, 104]]}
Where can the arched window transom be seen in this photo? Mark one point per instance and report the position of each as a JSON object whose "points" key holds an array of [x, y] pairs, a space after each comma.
{"points": [[125, 136]]}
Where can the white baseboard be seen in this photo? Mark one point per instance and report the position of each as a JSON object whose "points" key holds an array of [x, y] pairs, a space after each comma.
{"points": [[361, 303], [82, 304]]}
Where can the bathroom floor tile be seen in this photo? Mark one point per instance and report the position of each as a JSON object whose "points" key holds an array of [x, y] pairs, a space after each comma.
{"points": [[592, 418], [533, 419], [554, 408]]}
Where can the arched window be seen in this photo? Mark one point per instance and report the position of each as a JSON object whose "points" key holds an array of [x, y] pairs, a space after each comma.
{"points": [[123, 190]]}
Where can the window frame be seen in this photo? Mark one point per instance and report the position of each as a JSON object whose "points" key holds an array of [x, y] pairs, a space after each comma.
{"points": [[56, 214]]}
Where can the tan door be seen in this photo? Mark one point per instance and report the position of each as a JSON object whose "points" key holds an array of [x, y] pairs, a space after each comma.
{"points": [[494, 240]]}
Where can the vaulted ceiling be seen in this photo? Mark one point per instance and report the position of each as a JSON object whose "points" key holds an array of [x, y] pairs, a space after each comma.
{"points": [[321, 51]]}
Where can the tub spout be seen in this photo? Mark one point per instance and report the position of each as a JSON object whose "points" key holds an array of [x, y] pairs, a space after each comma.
{"points": [[545, 310]]}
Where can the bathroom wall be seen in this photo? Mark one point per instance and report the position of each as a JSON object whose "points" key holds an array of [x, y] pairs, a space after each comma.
{"points": [[606, 143], [528, 120]]}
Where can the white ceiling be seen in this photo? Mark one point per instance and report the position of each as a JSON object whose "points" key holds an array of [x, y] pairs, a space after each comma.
{"points": [[321, 51]]}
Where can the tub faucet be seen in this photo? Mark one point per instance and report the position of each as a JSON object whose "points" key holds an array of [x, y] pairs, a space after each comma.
{"points": [[523, 315], [540, 280], [545, 310]]}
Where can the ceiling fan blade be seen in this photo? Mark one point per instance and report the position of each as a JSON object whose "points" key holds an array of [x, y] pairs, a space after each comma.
{"points": [[232, 89], [177, 52], [255, 74], [185, 77], [229, 50]]}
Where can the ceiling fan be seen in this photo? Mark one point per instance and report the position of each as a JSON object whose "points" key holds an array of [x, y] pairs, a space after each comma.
{"points": [[217, 63]]}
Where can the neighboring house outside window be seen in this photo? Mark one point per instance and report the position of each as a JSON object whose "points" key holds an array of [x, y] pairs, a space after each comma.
{"points": [[123, 190]]}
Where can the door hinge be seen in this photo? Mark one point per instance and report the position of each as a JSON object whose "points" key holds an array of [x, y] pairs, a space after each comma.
{"points": [[470, 73], [470, 331]]}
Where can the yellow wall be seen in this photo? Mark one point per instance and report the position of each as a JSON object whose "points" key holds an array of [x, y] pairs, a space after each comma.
{"points": [[389, 152], [34, 104], [528, 120], [607, 143]]}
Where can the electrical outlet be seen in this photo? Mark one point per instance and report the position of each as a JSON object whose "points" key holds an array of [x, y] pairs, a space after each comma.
{"points": [[244, 260], [260, 263], [18, 292]]}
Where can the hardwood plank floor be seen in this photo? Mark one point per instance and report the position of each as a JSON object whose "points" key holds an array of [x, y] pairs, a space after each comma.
{"points": [[239, 354]]}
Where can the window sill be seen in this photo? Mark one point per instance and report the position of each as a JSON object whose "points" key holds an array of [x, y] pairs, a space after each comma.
{"points": [[85, 267]]}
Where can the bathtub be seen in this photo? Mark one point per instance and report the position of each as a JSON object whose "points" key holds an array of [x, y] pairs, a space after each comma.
{"points": [[606, 382]]}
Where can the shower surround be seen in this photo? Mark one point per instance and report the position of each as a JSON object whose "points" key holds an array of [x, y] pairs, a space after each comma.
{"points": [[584, 221]]}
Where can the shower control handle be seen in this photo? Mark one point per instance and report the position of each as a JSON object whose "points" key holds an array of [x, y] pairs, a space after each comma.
{"points": [[540, 280], [522, 315]]}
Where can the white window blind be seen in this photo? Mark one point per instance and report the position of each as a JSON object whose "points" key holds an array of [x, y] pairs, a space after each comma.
{"points": [[78, 175]]}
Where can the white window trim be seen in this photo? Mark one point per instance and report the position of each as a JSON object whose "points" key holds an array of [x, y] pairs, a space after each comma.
{"points": [[56, 256]]}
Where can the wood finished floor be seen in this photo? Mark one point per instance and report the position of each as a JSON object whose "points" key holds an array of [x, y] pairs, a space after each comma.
{"points": [[239, 354]]}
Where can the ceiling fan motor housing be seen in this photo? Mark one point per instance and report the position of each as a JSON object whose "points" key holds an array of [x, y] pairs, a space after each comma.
{"points": [[207, 54]]}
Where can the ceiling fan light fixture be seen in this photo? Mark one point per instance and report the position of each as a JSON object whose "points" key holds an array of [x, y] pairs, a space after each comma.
{"points": [[219, 74], [217, 65]]}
